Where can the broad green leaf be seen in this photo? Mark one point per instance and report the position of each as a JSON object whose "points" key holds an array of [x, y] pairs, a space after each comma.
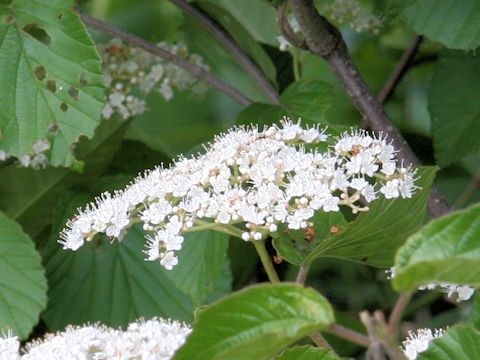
{"points": [[241, 36], [307, 353], [27, 195], [459, 343], [23, 286], [256, 323], [261, 114], [200, 263], [454, 106], [445, 250], [308, 100], [51, 79], [111, 283], [257, 17], [454, 23], [295, 245], [243, 262], [474, 316], [374, 236]]}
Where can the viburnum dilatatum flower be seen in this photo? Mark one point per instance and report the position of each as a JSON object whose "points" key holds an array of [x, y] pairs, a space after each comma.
{"points": [[246, 183]]}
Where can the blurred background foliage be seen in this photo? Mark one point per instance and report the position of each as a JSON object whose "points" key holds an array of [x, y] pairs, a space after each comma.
{"points": [[112, 283]]}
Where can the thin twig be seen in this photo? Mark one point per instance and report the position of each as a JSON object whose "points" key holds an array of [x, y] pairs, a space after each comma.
{"points": [[350, 335], [302, 274], [320, 341], [469, 192], [400, 69], [397, 313], [325, 40], [224, 38], [195, 70]]}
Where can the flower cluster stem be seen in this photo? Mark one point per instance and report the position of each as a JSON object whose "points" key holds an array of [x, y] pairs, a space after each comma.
{"points": [[266, 262]]}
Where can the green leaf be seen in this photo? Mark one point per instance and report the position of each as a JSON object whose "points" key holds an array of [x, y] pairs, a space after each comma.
{"points": [[306, 99], [23, 286], [261, 114], [257, 17], [111, 283], [454, 106], [459, 343], [295, 245], [200, 264], [445, 250], [474, 316], [241, 36], [256, 323], [27, 195], [51, 79], [374, 236], [307, 353], [454, 23]]}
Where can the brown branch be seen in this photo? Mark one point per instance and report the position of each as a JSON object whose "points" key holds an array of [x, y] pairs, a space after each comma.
{"points": [[349, 335], [195, 70], [397, 313], [326, 41], [224, 38], [400, 70]]}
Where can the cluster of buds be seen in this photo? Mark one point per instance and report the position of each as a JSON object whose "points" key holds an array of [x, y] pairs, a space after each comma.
{"points": [[246, 183], [418, 342], [350, 12], [131, 73], [153, 339], [35, 159]]}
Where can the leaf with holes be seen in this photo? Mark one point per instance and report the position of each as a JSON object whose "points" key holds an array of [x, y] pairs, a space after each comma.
{"points": [[454, 106], [454, 23], [374, 236], [201, 261], [459, 343], [23, 287], [307, 353], [256, 323], [446, 250], [111, 283], [51, 79]]}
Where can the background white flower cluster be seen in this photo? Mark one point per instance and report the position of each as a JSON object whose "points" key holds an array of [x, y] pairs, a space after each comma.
{"points": [[418, 342], [131, 73], [352, 13], [155, 339], [246, 183]]}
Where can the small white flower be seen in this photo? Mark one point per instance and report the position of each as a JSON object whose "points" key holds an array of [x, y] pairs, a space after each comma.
{"points": [[169, 260], [418, 342]]}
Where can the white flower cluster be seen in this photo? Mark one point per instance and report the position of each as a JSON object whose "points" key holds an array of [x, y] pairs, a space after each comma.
{"points": [[351, 12], [247, 183], [461, 292], [418, 342], [35, 159], [155, 339], [131, 73]]}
